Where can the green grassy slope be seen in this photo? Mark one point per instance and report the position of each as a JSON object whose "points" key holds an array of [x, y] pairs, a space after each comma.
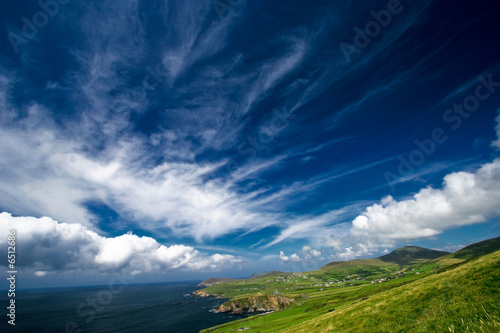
{"points": [[214, 281], [462, 299], [271, 273], [315, 292], [469, 252], [478, 249], [384, 265], [310, 305], [341, 285], [411, 254]]}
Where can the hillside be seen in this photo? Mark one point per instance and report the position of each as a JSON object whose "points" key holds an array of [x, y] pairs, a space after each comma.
{"points": [[477, 249], [411, 255], [403, 256], [214, 282], [469, 252], [463, 299], [259, 275], [381, 266], [342, 285]]}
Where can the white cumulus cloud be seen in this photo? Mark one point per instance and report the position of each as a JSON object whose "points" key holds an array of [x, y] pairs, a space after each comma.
{"points": [[48, 245], [465, 198], [307, 253], [293, 257]]}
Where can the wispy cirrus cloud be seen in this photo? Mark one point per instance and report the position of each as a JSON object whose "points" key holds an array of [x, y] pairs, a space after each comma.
{"points": [[195, 127], [59, 178], [98, 153], [309, 228]]}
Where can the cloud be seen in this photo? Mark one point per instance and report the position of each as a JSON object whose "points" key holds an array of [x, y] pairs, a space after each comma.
{"points": [[32, 181], [352, 252], [465, 198], [294, 257], [193, 34], [300, 229], [307, 253], [163, 162], [283, 257], [45, 174], [48, 245], [315, 228], [159, 178]]}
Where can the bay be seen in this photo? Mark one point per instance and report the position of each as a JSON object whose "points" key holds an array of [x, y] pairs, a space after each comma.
{"points": [[165, 307]]}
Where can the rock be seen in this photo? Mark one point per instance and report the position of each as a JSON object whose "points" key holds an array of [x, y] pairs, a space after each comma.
{"points": [[237, 311], [201, 293], [256, 303], [223, 309]]}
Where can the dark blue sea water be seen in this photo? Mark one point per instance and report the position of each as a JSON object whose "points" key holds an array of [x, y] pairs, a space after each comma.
{"points": [[134, 308]]}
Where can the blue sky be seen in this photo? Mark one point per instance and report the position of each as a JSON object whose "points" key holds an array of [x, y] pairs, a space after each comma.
{"points": [[172, 140]]}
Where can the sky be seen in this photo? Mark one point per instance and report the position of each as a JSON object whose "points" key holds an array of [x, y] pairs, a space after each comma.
{"points": [[181, 140]]}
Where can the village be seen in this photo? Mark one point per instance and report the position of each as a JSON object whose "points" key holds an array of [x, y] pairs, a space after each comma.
{"points": [[296, 281]]}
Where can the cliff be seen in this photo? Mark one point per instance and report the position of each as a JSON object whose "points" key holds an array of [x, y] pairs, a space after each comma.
{"points": [[256, 303]]}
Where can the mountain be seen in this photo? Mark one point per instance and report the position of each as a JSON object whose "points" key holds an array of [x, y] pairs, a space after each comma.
{"points": [[478, 249], [403, 256], [411, 255], [469, 252]]}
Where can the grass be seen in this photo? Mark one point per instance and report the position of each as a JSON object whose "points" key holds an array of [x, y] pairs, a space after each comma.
{"points": [[477, 249], [463, 299], [446, 294], [311, 305]]}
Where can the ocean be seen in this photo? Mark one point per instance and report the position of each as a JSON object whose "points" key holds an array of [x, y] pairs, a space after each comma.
{"points": [[165, 307]]}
